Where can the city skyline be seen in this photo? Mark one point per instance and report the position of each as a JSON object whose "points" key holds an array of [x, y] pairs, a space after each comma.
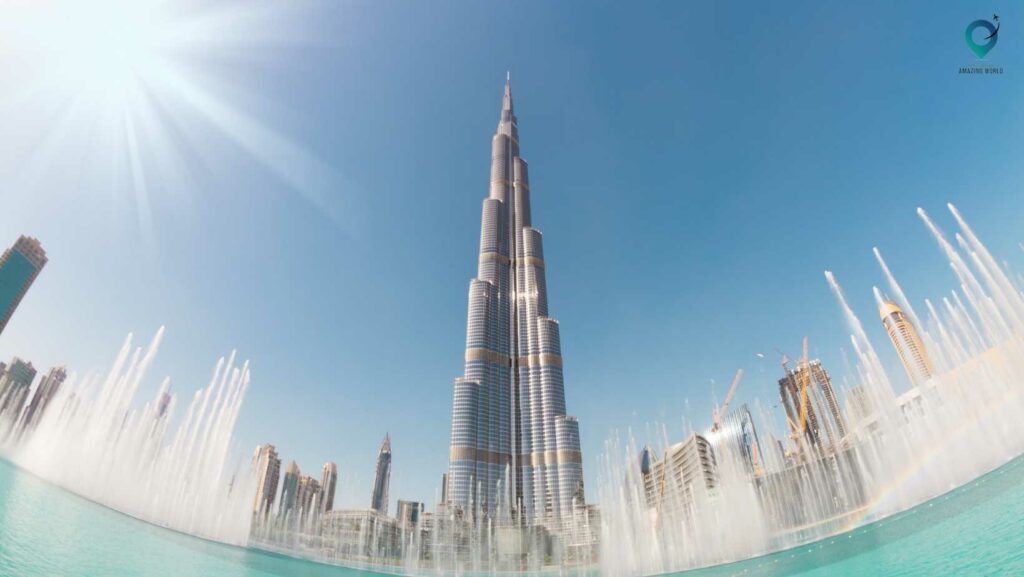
{"points": [[684, 485], [624, 216]]}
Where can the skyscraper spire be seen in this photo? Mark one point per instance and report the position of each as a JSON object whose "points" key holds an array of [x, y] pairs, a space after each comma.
{"points": [[506, 101], [514, 449]]}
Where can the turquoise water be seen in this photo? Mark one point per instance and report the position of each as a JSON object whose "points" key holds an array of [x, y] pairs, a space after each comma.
{"points": [[47, 532]]}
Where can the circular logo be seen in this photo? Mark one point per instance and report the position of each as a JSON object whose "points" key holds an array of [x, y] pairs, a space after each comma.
{"points": [[989, 41]]}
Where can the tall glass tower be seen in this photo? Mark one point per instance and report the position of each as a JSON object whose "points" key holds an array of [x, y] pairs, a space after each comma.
{"points": [[515, 454], [382, 480], [908, 344], [19, 267]]}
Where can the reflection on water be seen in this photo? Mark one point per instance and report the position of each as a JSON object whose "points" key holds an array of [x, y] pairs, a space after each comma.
{"points": [[45, 531]]}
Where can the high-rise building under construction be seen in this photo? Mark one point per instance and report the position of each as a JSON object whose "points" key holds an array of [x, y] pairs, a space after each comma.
{"points": [[811, 404]]}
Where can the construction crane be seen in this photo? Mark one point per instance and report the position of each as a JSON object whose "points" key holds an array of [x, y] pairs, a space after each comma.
{"points": [[803, 378], [717, 414], [755, 458]]}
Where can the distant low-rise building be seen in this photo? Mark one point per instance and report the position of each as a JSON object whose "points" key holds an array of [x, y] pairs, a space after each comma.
{"points": [[14, 388], [409, 512], [47, 389], [360, 535], [687, 468]]}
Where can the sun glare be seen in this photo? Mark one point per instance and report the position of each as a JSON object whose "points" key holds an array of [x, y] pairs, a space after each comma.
{"points": [[94, 50], [124, 85]]}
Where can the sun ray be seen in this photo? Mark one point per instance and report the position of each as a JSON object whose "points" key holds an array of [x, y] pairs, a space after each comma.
{"points": [[123, 89]]}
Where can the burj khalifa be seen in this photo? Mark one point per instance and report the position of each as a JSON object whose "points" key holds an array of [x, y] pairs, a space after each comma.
{"points": [[515, 453]]}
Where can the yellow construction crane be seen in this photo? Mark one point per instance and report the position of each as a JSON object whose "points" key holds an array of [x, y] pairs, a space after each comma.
{"points": [[717, 414], [755, 457]]}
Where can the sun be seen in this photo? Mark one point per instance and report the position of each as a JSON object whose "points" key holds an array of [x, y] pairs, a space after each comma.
{"points": [[107, 51], [99, 52], [114, 97]]}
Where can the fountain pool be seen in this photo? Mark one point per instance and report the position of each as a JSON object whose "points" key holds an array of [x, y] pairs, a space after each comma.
{"points": [[45, 530]]}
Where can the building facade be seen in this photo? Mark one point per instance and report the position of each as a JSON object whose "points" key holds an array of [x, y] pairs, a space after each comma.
{"points": [[382, 478], [514, 450], [360, 535], [907, 342], [47, 389], [290, 488], [267, 466], [19, 267], [328, 484], [672, 483], [308, 496], [409, 512], [14, 387], [736, 439], [858, 404], [823, 420]]}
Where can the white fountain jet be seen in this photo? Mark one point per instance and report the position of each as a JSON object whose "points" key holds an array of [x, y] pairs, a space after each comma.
{"points": [[103, 449], [899, 450]]}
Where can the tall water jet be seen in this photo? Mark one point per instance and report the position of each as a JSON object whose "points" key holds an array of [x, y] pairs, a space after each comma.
{"points": [[898, 450], [879, 386], [1003, 285], [904, 303], [129, 459], [897, 290]]}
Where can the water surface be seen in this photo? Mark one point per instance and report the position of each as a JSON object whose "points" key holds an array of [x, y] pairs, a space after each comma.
{"points": [[46, 532]]}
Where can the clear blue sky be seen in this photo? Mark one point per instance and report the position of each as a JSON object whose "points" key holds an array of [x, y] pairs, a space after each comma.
{"points": [[313, 193]]}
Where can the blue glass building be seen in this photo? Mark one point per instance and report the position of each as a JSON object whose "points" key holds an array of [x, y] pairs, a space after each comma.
{"points": [[19, 267]]}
